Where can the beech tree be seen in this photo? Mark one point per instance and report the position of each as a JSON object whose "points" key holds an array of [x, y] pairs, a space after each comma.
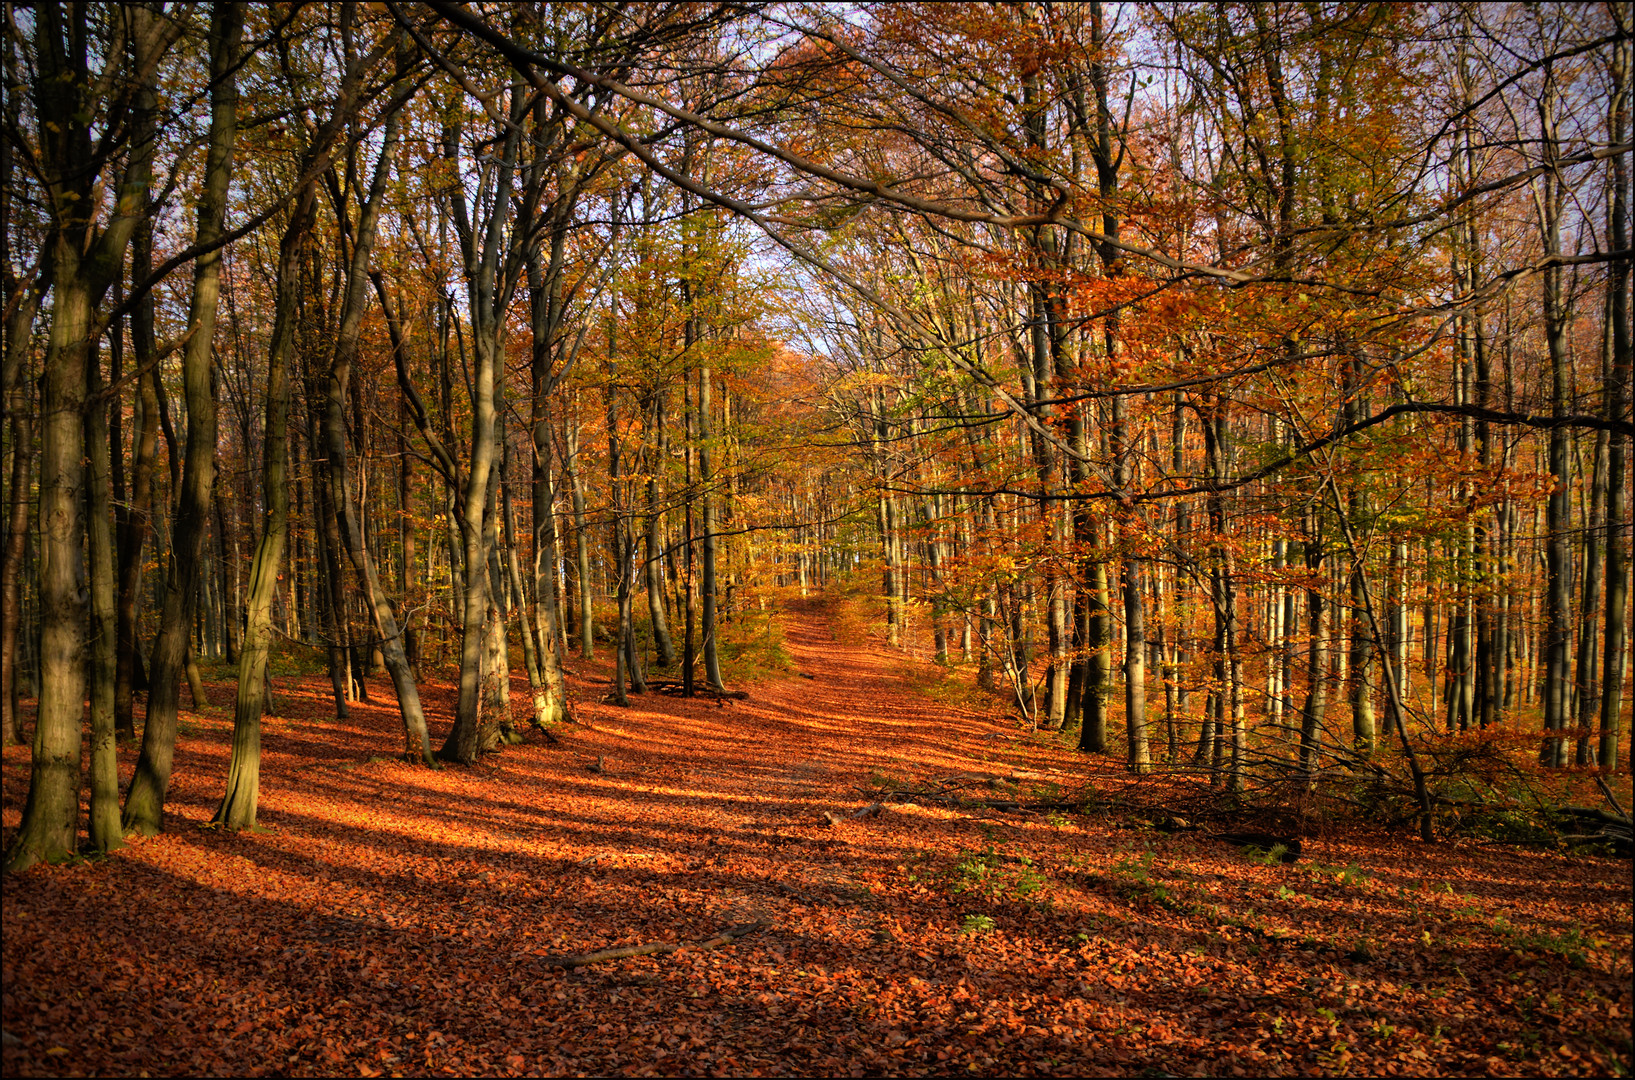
{"points": [[1239, 389], [77, 87]]}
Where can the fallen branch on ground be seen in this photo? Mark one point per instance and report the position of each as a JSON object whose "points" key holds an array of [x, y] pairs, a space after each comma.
{"points": [[730, 934]]}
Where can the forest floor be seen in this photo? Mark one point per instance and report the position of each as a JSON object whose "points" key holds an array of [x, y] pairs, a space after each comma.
{"points": [[398, 920]]}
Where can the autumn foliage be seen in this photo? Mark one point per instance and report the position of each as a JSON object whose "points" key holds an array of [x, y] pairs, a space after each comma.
{"points": [[737, 538]]}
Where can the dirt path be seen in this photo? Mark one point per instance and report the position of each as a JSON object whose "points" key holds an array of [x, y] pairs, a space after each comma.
{"points": [[798, 744], [396, 920]]}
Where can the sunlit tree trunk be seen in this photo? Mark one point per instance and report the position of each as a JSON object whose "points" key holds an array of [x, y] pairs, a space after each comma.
{"points": [[654, 565], [241, 799], [417, 740], [688, 652], [51, 816], [581, 539], [144, 803], [707, 584], [545, 311], [1135, 615]]}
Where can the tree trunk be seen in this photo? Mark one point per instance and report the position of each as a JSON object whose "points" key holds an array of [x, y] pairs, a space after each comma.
{"points": [[144, 804], [133, 532], [104, 824], [238, 805], [1098, 689], [712, 661], [19, 407], [229, 613], [1135, 618], [343, 686], [416, 739], [654, 565], [1617, 392], [1135, 668], [545, 299], [587, 601], [689, 653], [1312, 713], [1587, 690], [51, 816], [1558, 509]]}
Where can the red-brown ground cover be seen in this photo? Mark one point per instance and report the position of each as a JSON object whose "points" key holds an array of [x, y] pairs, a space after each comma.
{"points": [[394, 919]]}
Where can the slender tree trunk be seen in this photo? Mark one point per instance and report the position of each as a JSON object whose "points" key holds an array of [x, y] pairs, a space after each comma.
{"points": [[654, 565], [229, 613], [1558, 510], [688, 652], [20, 410], [1312, 713], [1135, 616], [416, 738], [1135, 667], [1587, 690], [545, 310], [104, 824], [144, 804], [1098, 690], [712, 661], [137, 519], [21, 299], [550, 705], [462, 742], [1363, 734], [1617, 399], [343, 684], [581, 538], [238, 805], [407, 535]]}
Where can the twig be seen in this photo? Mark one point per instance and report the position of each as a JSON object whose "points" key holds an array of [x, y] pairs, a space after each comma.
{"points": [[730, 934]]}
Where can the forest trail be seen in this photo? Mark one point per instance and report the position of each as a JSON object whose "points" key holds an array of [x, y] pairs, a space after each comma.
{"points": [[394, 919], [806, 742]]}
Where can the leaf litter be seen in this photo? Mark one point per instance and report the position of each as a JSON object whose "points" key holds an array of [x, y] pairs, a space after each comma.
{"points": [[392, 920]]}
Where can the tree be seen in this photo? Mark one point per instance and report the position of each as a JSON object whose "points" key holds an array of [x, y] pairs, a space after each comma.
{"points": [[144, 803], [85, 261]]}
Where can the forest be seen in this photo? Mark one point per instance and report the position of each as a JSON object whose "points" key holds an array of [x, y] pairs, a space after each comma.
{"points": [[999, 537]]}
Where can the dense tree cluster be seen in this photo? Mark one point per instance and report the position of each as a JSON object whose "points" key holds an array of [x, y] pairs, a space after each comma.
{"points": [[1255, 375]]}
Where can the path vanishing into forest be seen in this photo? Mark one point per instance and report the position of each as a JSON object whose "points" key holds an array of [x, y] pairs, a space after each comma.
{"points": [[398, 920]]}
